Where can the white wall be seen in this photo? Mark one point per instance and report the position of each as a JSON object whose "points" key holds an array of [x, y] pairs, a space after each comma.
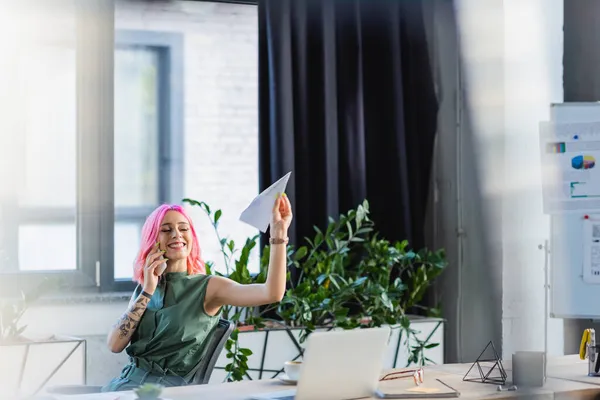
{"points": [[90, 320], [506, 102], [467, 207], [533, 79]]}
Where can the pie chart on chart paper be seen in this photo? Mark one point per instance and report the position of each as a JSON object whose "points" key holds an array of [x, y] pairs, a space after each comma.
{"points": [[583, 162]]}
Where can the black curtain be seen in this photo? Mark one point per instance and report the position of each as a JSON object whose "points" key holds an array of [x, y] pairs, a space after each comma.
{"points": [[347, 103]]}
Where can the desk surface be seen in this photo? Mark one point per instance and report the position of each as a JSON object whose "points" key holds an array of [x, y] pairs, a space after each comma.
{"points": [[567, 377]]}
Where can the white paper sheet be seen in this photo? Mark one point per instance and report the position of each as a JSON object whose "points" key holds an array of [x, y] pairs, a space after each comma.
{"points": [[258, 213], [591, 249], [570, 174]]}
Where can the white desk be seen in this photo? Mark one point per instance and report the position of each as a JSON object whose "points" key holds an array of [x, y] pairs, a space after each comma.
{"points": [[567, 378]]}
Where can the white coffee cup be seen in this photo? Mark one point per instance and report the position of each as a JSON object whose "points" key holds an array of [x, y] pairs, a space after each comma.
{"points": [[528, 368], [292, 369]]}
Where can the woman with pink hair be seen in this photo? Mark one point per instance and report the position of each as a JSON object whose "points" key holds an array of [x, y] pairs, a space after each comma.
{"points": [[175, 306]]}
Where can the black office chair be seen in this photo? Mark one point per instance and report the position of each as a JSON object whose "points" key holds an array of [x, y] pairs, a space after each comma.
{"points": [[204, 369]]}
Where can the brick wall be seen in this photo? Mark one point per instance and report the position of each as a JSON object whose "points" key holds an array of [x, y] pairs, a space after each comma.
{"points": [[221, 105]]}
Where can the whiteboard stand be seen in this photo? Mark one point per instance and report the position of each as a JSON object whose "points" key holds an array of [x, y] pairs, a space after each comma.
{"points": [[546, 249]]}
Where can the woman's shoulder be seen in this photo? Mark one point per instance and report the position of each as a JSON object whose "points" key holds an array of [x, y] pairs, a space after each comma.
{"points": [[197, 280], [198, 277]]}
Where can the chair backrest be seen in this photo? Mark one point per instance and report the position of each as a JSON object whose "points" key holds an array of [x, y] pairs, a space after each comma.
{"points": [[218, 338]]}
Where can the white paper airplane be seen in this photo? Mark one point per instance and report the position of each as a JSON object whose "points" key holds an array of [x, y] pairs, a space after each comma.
{"points": [[258, 213]]}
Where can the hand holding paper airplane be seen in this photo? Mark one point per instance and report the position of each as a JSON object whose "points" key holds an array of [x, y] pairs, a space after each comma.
{"points": [[258, 213]]}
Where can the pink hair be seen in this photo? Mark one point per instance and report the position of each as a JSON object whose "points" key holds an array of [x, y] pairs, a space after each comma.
{"points": [[150, 231]]}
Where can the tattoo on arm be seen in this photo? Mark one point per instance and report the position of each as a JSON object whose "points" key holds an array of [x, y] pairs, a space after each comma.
{"points": [[129, 322]]}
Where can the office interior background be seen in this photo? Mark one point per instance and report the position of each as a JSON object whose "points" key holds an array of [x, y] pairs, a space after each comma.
{"points": [[182, 89]]}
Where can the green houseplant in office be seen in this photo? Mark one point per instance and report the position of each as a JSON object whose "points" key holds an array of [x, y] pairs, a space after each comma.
{"points": [[349, 277], [20, 352], [13, 309], [149, 391]]}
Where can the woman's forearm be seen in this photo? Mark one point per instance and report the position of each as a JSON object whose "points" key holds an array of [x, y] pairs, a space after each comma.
{"points": [[276, 277], [122, 331]]}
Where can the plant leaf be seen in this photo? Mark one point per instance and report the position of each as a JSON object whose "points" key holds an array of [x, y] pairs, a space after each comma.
{"points": [[246, 352], [218, 214], [300, 253]]}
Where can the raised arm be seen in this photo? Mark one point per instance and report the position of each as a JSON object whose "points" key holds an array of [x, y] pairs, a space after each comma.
{"points": [[222, 291], [120, 334]]}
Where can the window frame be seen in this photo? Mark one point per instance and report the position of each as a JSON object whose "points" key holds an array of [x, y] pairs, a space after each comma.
{"points": [[169, 47], [13, 280], [95, 214]]}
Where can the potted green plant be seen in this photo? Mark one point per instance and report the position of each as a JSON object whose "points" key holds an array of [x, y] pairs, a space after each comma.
{"points": [[149, 391], [13, 309], [349, 277]]}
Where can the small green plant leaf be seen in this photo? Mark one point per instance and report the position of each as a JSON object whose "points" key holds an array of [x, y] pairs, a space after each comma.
{"points": [[218, 214], [246, 352], [300, 253]]}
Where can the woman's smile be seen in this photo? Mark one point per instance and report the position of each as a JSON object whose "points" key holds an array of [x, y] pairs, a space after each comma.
{"points": [[176, 245]]}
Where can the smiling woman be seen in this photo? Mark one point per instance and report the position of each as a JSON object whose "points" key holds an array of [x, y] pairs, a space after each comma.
{"points": [[175, 306], [168, 232]]}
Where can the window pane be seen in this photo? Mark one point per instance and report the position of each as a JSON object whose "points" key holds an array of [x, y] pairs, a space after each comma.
{"points": [[47, 247], [220, 95], [136, 148], [219, 92], [221, 134], [39, 127], [49, 116], [49, 160], [136, 127], [127, 243]]}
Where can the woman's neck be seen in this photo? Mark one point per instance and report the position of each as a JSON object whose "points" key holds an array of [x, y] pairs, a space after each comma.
{"points": [[176, 266]]}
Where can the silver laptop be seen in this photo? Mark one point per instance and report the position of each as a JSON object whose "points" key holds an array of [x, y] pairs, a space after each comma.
{"points": [[338, 365]]}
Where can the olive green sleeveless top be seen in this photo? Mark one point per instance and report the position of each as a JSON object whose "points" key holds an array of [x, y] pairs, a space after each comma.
{"points": [[174, 329]]}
